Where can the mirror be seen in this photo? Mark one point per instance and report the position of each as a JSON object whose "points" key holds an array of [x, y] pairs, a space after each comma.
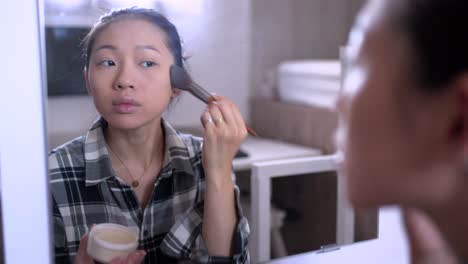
{"points": [[24, 192], [250, 52]]}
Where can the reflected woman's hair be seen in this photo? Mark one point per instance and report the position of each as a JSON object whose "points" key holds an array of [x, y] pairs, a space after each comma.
{"points": [[173, 41]]}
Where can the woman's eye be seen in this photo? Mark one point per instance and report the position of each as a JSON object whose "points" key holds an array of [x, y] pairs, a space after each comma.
{"points": [[147, 64], [107, 63]]}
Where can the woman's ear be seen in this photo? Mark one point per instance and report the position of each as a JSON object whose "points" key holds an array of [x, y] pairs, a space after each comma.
{"points": [[86, 77], [459, 130], [175, 92]]}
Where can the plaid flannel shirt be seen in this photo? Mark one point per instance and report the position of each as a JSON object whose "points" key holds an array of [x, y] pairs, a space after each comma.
{"points": [[86, 191]]}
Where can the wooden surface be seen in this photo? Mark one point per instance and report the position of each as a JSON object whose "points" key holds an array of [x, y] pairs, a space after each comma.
{"points": [[312, 126]]}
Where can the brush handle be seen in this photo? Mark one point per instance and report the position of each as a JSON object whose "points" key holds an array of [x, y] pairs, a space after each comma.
{"points": [[251, 131], [199, 92]]}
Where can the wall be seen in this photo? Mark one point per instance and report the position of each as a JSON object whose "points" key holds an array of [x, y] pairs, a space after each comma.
{"points": [[220, 58], [297, 29], [217, 38]]}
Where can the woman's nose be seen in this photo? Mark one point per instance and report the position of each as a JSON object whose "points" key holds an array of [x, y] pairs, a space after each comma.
{"points": [[124, 79], [124, 84]]}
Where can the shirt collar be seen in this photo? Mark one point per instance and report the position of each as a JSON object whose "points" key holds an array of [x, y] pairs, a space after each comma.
{"points": [[98, 165]]}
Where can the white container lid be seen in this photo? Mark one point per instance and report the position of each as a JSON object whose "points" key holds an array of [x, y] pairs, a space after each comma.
{"points": [[107, 241]]}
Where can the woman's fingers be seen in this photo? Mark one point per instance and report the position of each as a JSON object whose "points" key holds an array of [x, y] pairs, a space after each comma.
{"points": [[82, 256], [206, 119], [425, 239], [218, 118], [135, 257], [239, 119], [225, 109], [83, 243], [231, 115], [223, 118]]}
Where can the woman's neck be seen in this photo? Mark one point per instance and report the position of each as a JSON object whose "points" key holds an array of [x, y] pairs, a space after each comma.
{"points": [[451, 217], [139, 146]]}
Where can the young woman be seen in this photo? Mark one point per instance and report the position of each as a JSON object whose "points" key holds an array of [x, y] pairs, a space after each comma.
{"points": [[134, 169], [405, 120]]}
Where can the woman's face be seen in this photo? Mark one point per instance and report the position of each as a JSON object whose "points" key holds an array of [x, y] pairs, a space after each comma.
{"points": [[389, 131], [128, 73]]}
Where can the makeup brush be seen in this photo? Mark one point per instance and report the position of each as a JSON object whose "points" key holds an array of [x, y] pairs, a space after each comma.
{"points": [[180, 79]]}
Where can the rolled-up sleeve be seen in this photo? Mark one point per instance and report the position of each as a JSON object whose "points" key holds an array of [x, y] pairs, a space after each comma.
{"points": [[185, 240]]}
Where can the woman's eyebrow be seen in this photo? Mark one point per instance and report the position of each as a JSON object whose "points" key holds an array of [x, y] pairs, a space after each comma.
{"points": [[147, 47], [111, 47]]}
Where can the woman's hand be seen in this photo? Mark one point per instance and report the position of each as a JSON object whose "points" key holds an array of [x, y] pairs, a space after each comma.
{"points": [[224, 132], [427, 244], [82, 256]]}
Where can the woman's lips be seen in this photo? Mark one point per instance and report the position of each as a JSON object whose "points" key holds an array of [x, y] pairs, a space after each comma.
{"points": [[125, 106]]}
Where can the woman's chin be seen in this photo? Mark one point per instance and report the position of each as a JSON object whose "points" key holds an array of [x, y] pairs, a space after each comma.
{"points": [[361, 198], [126, 122]]}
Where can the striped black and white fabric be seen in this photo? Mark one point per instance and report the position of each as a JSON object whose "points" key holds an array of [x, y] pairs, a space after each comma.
{"points": [[86, 191]]}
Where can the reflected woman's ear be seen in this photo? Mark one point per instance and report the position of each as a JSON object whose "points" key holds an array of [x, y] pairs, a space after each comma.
{"points": [[86, 77], [462, 108], [175, 92], [459, 127]]}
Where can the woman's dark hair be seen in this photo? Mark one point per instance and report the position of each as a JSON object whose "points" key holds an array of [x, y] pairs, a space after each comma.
{"points": [[173, 41], [438, 34]]}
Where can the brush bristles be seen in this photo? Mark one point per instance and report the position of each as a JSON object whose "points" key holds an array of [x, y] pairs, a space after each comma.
{"points": [[180, 79]]}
